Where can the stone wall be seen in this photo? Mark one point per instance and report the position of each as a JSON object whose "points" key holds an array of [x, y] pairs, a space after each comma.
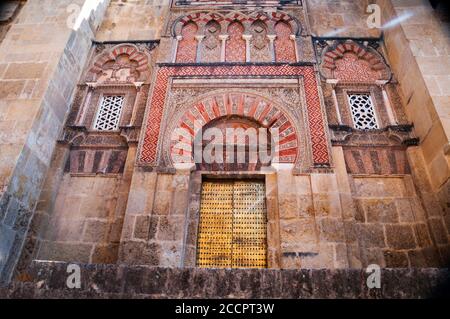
{"points": [[333, 221], [419, 53], [41, 59], [391, 223], [86, 222], [340, 221], [346, 18], [154, 227], [133, 20], [418, 50], [48, 281], [311, 227]]}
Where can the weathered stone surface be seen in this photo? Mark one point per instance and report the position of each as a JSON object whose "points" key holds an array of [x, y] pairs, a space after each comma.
{"points": [[327, 205], [381, 211], [66, 251], [139, 253], [296, 231], [48, 280], [170, 228], [400, 237], [105, 254], [44, 60], [405, 211], [162, 203], [25, 71], [396, 259], [132, 21], [96, 231], [438, 231], [380, 187], [288, 206], [142, 227], [331, 230], [422, 235], [371, 235]]}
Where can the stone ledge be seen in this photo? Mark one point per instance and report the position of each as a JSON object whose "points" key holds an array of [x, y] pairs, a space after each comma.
{"points": [[48, 280]]}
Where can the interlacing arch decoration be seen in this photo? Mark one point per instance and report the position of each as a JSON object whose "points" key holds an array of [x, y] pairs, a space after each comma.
{"points": [[260, 50], [122, 64], [253, 29], [211, 43], [235, 48], [187, 46], [352, 62], [284, 45], [244, 105]]}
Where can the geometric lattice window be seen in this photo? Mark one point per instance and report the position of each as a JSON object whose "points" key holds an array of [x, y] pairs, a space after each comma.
{"points": [[363, 112], [109, 113]]}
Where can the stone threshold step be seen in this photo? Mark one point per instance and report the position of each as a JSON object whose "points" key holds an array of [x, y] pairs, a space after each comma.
{"points": [[53, 279]]}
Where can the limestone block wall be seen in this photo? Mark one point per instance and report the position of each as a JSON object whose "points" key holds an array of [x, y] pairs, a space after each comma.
{"points": [[391, 223], [311, 224], [86, 222], [133, 20], [341, 220], [418, 49], [79, 217], [316, 221], [41, 58], [345, 18], [154, 227]]}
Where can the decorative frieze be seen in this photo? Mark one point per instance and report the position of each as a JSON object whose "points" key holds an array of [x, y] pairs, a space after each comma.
{"points": [[256, 36]]}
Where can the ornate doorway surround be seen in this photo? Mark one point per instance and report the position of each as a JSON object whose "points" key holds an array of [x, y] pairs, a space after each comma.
{"points": [[151, 146]]}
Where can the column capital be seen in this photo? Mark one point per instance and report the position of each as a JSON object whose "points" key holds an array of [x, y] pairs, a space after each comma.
{"points": [[271, 37], [138, 85], [179, 37], [333, 82], [91, 85], [199, 38], [381, 83], [224, 37], [293, 37], [247, 37]]}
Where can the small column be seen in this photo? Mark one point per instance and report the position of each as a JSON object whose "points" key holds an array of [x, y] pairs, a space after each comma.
{"points": [[223, 38], [199, 39], [294, 38], [82, 113], [138, 86], [175, 51], [335, 100], [272, 38], [247, 38], [387, 103]]}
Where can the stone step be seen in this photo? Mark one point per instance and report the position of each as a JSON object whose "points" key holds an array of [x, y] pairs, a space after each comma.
{"points": [[49, 280]]}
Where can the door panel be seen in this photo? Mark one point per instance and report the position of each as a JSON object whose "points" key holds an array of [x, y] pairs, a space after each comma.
{"points": [[233, 225]]}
